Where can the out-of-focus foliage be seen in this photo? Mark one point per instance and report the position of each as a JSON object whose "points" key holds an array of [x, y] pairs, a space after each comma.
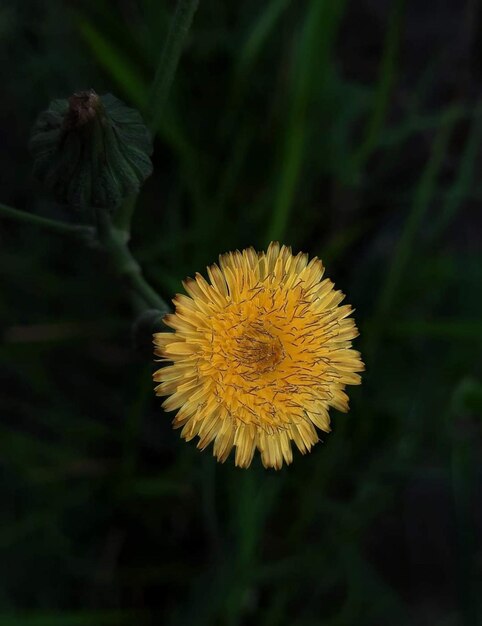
{"points": [[350, 130]]}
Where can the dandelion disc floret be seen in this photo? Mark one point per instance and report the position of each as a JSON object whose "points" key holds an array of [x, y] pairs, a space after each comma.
{"points": [[258, 355]]}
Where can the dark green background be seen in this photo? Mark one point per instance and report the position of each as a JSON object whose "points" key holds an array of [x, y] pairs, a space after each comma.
{"points": [[348, 129]]}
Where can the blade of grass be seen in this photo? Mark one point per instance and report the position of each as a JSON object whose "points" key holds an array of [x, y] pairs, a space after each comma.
{"points": [[391, 141], [459, 191], [412, 125], [169, 59], [116, 63], [423, 196], [259, 33], [384, 86], [312, 56]]}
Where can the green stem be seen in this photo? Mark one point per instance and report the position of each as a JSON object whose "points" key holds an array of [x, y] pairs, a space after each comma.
{"points": [[123, 216], [44, 222], [115, 242], [169, 59]]}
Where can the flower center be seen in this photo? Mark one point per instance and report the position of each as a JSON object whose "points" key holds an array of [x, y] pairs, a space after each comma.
{"points": [[259, 350]]}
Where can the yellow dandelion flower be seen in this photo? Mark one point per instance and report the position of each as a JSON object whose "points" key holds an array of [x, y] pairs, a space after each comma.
{"points": [[258, 355]]}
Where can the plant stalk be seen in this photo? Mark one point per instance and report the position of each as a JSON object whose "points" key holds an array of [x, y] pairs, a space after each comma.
{"points": [[77, 230], [115, 242], [123, 216]]}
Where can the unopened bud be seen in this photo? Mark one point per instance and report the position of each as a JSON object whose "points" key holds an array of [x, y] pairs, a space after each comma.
{"points": [[90, 150]]}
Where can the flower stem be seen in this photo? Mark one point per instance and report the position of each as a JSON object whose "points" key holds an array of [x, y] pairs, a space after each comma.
{"points": [[123, 216], [115, 242], [83, 232], [169, 58]]}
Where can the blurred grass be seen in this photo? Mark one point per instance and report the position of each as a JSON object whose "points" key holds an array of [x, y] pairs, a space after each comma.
{"points": [[313, 49], [422, 198], [300, 121], [388, 66], [118, 64], [464, 180]]}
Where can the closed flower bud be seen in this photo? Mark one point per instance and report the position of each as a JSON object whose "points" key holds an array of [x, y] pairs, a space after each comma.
{"points": [[90, 150]]}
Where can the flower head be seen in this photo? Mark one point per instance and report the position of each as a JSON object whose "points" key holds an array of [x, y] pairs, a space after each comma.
{"points": [[258, 355]]}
